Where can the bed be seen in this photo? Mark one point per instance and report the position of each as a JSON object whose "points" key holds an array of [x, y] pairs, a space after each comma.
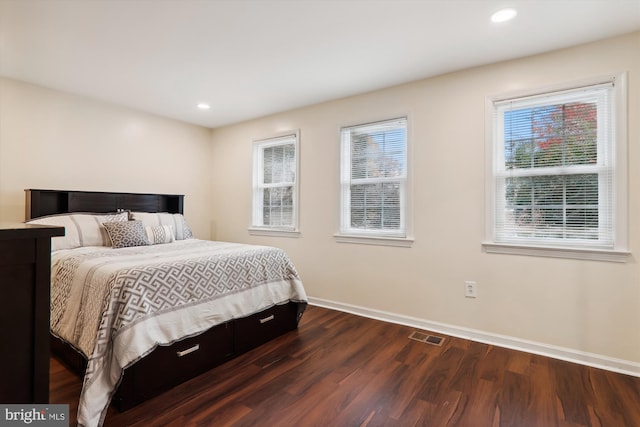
{"points": [[138, 305]]}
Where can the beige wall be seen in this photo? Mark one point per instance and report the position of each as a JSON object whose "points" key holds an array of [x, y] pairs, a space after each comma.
{"points": [[586, 306], [50, 139], [54, 140]]}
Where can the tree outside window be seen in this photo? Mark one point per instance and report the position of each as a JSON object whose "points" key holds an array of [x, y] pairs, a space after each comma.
{"points": [[552, 137], [554, 173]]}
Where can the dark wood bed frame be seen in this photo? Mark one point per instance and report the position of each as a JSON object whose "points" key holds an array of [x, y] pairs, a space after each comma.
{"points": [[184, 359]]}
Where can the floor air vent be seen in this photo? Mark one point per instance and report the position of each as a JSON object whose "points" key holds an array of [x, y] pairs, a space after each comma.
{"points": [[429, 339]]}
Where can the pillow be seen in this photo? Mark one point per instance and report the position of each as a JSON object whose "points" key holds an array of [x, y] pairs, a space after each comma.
{"points": [[127, 233], [160, 234], [81, 229], [181, 230]]}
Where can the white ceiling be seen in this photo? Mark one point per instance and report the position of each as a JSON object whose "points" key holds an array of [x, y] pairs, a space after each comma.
{"points": [[252, 58]]}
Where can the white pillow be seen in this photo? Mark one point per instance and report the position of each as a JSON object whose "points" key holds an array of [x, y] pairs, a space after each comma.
{"points": [[181, 230], [160, 234], [81, 229]]}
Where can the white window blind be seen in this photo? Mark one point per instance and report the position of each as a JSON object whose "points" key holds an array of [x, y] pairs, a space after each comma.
{"points": [[275, 183], [554, 168], [374, 179]]}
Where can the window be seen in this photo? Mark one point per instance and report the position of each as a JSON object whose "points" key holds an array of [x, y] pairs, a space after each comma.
{"points": [[556, 180], [275, 185], [374, 182]]}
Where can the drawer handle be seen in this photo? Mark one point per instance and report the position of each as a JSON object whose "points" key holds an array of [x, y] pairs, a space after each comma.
{"points": [[267, 319], [188, 351]]}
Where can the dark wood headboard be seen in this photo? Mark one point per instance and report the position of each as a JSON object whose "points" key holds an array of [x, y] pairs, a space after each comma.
{"points": [[50, 202]]}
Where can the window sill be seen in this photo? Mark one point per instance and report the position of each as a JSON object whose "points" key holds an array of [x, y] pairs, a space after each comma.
{"points": [[401, 242], [571, 253], [273, 232]]}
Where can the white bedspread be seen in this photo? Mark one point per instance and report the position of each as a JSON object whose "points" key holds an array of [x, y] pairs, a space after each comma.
{"points": [[117, 305]]}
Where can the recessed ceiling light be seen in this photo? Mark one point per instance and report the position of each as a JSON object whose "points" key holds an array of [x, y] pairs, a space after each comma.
{"points": [[503, 15], [203, 106]]}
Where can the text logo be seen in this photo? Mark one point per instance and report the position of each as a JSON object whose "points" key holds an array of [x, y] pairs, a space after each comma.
{"points": [[34, 415]]}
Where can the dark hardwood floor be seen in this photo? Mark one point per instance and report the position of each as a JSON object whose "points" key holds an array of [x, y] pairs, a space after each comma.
{"points": [[339, 369]]}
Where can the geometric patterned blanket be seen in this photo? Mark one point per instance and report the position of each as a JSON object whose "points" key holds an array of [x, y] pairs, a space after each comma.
{"points": [[116, 305]]}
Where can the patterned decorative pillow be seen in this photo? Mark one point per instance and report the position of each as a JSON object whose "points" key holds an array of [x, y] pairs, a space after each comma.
{"points": [[127, 233], [81, 229], [160, 234], [150, 219]]}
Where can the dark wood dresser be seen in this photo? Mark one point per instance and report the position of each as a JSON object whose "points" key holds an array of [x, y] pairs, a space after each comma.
{"points": [[25, 270]]}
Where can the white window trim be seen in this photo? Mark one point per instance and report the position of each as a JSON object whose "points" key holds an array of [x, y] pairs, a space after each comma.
{"points": [[258, 144], [381, 238], [273, 232], [400, 242], [619, 253]]}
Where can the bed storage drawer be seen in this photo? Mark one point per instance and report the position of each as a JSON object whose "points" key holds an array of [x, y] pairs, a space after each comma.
{"points": [[171, 365], [168, 366], [259, 328]]}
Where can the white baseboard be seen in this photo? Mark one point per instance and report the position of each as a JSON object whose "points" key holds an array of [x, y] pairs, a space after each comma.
{"points": [[570, 355]]}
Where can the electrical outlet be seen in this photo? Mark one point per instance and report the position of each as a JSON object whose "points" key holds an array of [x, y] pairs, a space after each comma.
{"points": [[470, 289]]}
